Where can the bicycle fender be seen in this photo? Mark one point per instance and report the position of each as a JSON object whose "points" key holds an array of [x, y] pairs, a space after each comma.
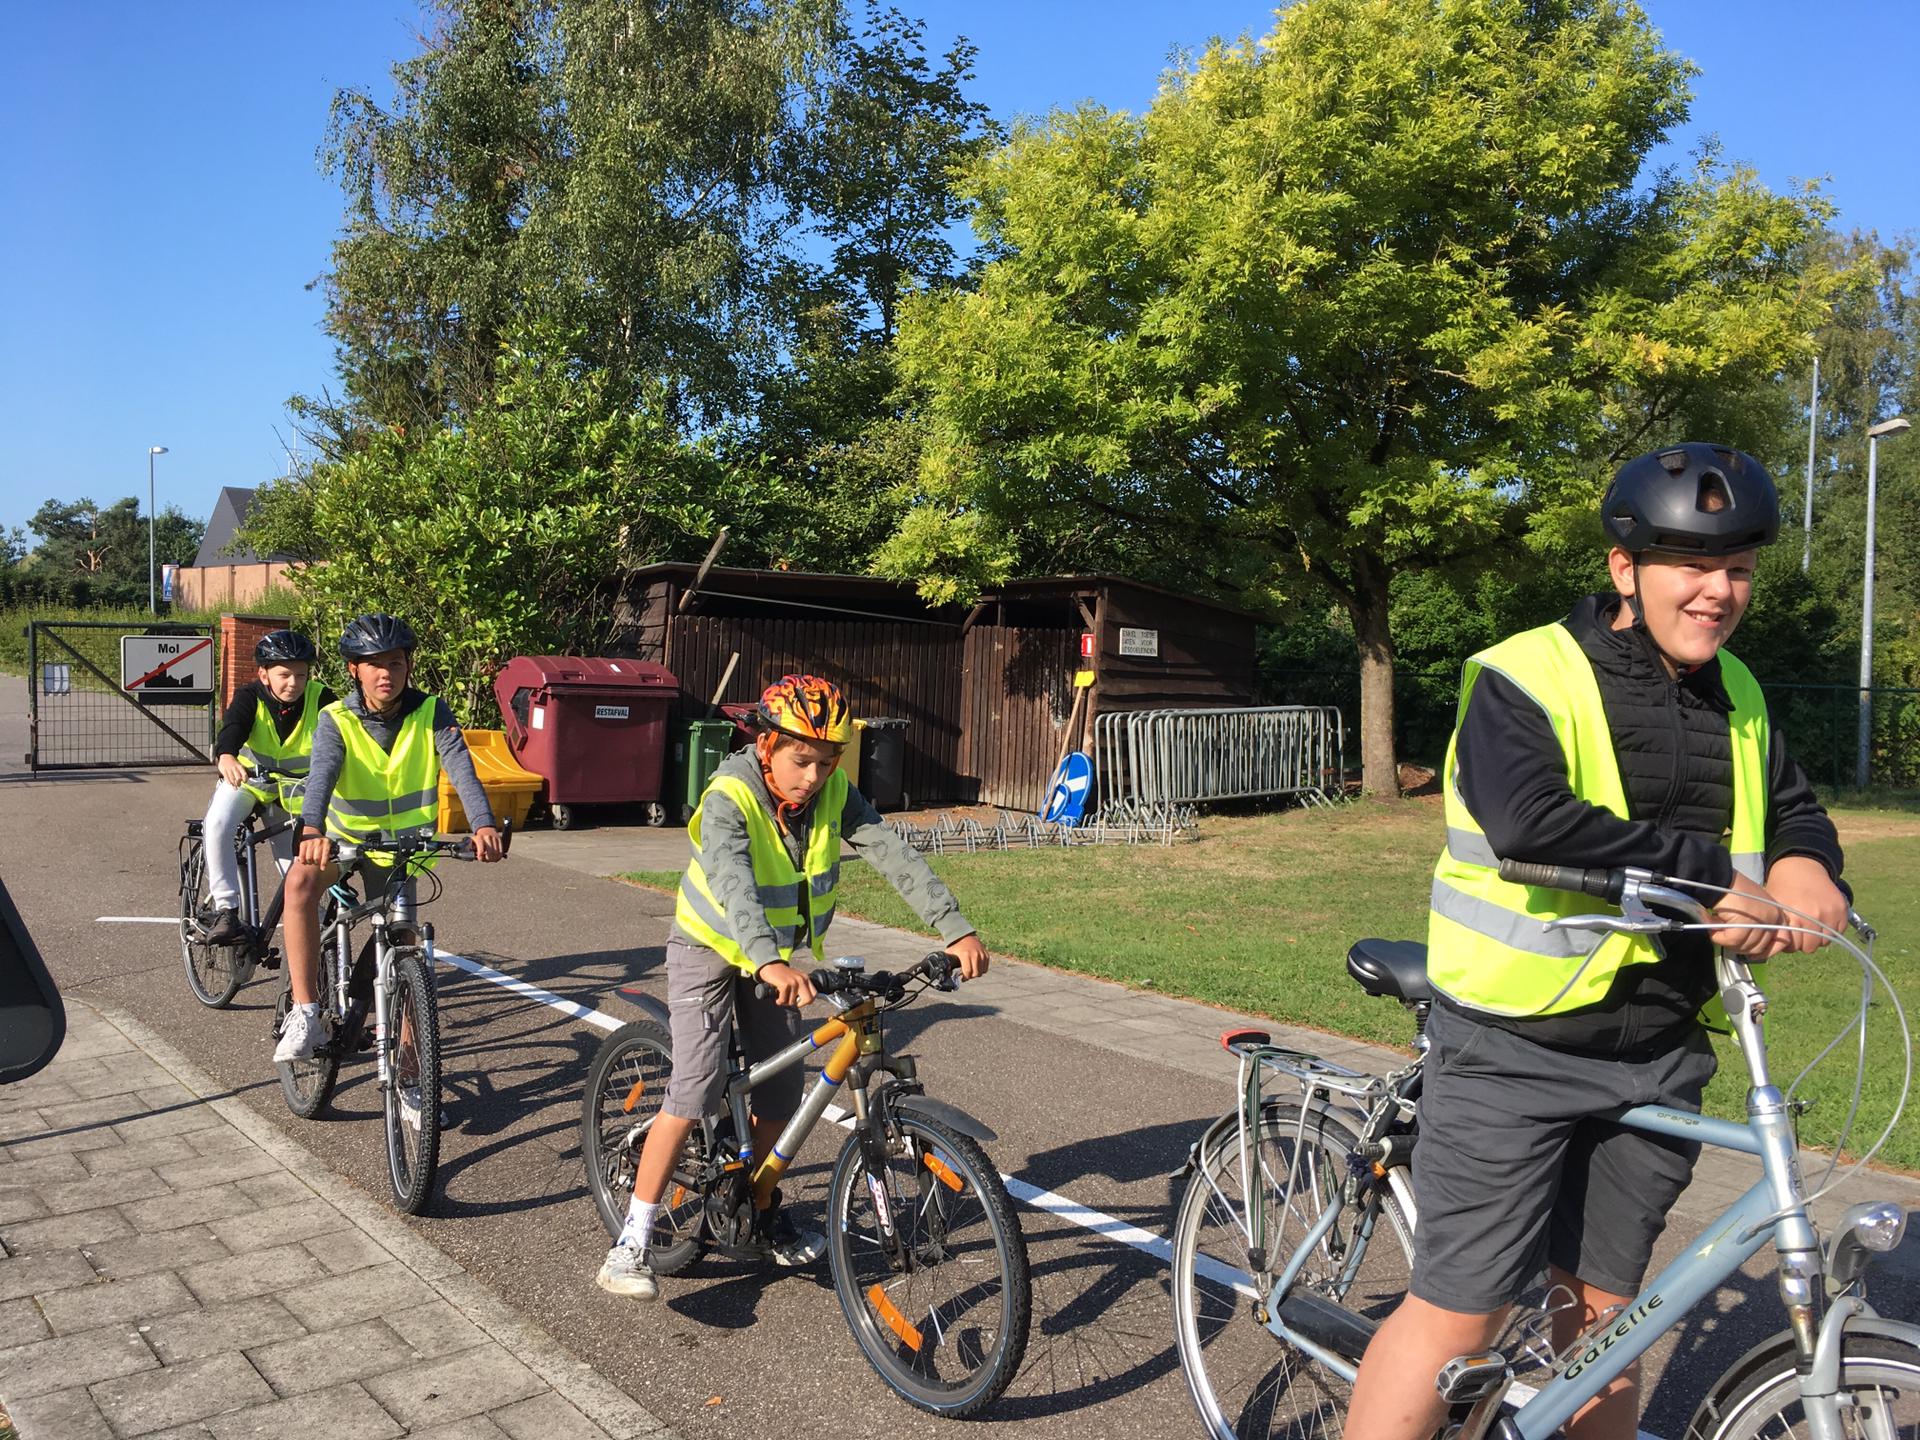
{"points": [[950, 1115], [1781, 1344], [1205, 1144], [645, 1003]]}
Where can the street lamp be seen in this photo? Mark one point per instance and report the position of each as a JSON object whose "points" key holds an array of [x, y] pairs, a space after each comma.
{"points": [[1887, 428], [1813, 432], [152, 450]]}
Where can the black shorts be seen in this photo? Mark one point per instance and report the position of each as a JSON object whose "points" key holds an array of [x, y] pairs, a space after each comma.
{"points": [[1512, 1172]]}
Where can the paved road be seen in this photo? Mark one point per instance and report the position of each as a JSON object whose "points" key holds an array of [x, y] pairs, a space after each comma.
{"points": [[1055, 1064]]}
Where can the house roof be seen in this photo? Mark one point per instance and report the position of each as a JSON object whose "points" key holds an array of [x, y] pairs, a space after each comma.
{"points": [[229, 514]]}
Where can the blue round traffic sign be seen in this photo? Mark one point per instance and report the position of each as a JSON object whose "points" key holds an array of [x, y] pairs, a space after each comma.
{"points": [[1067, 791]]}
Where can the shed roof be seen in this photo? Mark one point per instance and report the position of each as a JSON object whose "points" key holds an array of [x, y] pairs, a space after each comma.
{"points": [[229, 514]]}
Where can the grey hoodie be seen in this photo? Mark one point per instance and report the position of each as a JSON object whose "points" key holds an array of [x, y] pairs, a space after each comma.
{"points": [[726, 858]]}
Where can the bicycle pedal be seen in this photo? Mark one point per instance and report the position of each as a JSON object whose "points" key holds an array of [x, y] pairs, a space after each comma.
{"points": [[1467, 1378]]}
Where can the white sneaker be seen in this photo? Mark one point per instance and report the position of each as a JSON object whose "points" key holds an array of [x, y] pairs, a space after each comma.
{"points": [[625, 1272], [300, 1036]]}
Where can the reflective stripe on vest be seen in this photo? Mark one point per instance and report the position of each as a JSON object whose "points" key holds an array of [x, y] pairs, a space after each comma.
{"points": [[384, 792], [279, 765], [776, 879], [1487, 945]]}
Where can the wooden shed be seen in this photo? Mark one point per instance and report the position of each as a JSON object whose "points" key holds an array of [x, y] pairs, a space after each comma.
{"points": [[987, 690]]}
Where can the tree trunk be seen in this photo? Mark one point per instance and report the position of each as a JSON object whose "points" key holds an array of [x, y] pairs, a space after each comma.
{"points": [[1369, 606]]}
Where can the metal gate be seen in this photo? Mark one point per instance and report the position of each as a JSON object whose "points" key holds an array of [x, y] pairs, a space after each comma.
{"points": [[84, 712]]}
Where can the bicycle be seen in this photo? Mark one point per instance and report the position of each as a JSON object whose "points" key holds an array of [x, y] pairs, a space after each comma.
{"points": [[1293, 1239], [216, 973], [394, 976], [927, 1256]]}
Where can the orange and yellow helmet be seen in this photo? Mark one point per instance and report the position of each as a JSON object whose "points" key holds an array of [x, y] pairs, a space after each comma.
{"points": [[807, 708]]}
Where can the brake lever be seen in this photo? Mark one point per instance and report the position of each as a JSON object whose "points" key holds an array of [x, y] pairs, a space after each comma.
{"points": [[1617, 924]]}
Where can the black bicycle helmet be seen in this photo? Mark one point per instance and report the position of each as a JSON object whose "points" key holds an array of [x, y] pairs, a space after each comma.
{"points": [[284, 647], [374, 635], [1693, 499]]}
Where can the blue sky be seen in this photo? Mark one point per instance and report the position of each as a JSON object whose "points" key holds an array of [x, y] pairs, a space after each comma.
{"points": [[164, 212]]}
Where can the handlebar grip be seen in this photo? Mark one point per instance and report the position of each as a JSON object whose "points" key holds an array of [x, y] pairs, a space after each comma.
{"points": [[827, 982], [1601, 884], [506, 837], [763, 991]]}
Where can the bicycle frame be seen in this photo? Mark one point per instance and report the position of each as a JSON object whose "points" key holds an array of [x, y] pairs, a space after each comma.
{"points": [[392, 908], [1774, 1208]]}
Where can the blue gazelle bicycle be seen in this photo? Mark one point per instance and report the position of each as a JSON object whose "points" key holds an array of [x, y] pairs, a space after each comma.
{"points": [[1294, 1238]]}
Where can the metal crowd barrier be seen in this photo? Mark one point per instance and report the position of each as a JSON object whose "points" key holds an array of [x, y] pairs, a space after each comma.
{"points": [[1154, 761]]}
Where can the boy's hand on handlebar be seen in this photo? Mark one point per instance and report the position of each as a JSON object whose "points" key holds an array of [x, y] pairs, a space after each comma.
{"points": [[231, 771], [972, 956], [1803, 882], [316, 850], [486, 845], [1744, 905], [790, 987]]}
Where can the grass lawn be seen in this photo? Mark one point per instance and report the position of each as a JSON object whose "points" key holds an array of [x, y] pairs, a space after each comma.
{"points": [[1257, 912]]}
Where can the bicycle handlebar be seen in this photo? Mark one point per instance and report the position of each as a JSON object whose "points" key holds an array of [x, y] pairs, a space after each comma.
{"points": [[1605, 885], [406, 847]]}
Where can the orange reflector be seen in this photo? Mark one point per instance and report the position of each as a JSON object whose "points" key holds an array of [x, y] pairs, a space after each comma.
{"points": [[896, 1322], [940, 1168], [679, 1196], [633, 1095]]}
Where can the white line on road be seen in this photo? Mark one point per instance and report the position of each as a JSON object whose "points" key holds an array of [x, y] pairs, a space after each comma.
{"points": [[1098, 1221]]}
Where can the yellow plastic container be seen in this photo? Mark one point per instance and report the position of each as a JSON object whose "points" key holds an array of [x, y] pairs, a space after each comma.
{"points": [[510, 790], [850, 757]]}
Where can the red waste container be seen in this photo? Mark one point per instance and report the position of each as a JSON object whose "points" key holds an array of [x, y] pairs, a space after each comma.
{"points": [[595, 729]]}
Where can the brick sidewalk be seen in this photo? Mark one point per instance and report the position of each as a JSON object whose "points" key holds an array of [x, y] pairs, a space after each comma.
{"points": [[173, 1266]]}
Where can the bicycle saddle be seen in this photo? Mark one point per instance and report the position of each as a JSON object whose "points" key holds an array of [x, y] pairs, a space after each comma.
{"points": [[1391, 967]]}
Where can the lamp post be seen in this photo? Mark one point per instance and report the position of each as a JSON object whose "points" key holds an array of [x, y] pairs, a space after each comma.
{"points": [[152, 450], [1887, 429], [1813, 430]]}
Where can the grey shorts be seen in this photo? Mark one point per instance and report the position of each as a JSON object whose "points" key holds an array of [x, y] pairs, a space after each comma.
{"points": [[1512, 1172], [705, 996]]}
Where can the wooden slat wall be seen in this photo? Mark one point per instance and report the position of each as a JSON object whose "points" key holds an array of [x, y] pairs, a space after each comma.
{"points": [[1018, 684], [887, 668]]}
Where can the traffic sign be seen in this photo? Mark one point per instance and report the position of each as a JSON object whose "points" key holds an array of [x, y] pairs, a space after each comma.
{"points": [[174, 666], [1067, 791]]}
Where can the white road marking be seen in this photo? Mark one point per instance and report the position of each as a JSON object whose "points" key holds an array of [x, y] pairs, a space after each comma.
{"points": [[1085, 1216]]}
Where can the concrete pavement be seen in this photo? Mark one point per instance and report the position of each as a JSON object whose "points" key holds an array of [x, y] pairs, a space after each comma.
{"points": [[176, 1267]]}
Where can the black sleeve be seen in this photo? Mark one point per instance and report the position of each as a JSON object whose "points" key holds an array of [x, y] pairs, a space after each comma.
{"points": [[1512, 776], [1797, 823], [327, 697], [237, 723]]}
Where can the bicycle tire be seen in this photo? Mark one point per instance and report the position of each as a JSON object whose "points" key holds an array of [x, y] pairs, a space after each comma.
{"points": [[625, 1084], [1243, 1381], [307, 1085], [1879, 1394], [946, 1335], [215, 973], [411, 1105]]}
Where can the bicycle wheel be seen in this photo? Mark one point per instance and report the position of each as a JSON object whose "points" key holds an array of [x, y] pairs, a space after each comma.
{"points": [[308, 1084], [215, 973], [1879, 1395], [625, 1085], [946, 1325], [1244, 1382], [412, 1101]]}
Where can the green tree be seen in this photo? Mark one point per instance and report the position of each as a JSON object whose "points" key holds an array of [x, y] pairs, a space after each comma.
{"points": [[601, 166], [1354, 301], [499, 537], [108, 545]]}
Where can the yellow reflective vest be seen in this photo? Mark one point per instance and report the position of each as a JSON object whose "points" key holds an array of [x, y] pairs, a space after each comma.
{"points": [[280, 766], [778, 879], [1486, 945], [384, 792]]}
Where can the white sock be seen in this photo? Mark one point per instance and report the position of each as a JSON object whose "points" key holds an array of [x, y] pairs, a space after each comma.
{"points": [[639, 1227], [312, 1010]]}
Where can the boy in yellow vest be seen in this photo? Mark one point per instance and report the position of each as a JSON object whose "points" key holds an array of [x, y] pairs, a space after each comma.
{"points": [[265, 739], [770, 824], [377, 758], [1624, 735]]}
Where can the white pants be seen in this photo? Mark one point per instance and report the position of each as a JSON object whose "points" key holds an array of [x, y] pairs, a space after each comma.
{"points": [[226, 814]]}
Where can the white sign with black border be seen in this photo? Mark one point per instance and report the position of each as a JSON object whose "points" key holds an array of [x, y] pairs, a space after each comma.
{"points": [[1143, 644], [610, 712], [175, 666]]}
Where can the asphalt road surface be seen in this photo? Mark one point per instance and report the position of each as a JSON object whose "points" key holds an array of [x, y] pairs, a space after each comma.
{"points": [[731, 1351]]}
